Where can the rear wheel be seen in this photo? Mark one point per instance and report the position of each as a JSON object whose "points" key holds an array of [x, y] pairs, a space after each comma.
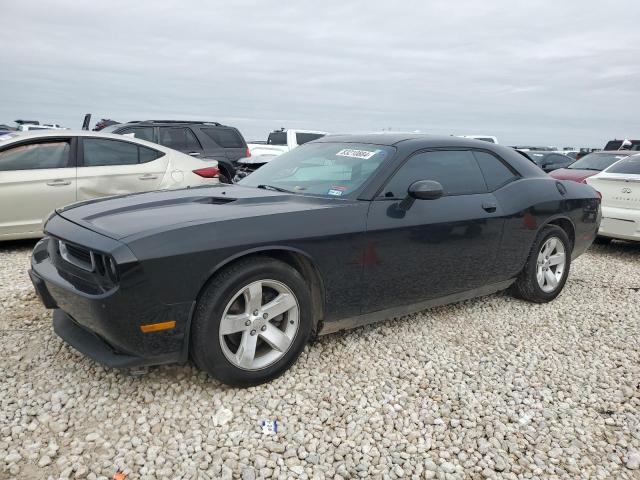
{"points": [[547, 267], [252, 322]]}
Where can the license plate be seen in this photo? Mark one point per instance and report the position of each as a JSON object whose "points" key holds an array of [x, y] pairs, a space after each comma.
{"points": [[615, 225]]}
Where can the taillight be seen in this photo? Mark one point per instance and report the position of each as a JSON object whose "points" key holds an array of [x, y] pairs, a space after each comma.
{"points": [[208, 172], [248, 154], [599, 194]]}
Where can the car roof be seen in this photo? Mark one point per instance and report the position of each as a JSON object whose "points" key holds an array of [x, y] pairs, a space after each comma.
{"points": [[174, 122], [13, 137], [423, 140]]}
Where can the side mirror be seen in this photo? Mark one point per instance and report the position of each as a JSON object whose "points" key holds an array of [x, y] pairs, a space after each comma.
{"points": [[425, 190], [421, 190]]}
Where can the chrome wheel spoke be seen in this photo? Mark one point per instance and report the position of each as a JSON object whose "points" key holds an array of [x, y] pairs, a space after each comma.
{"points": [[556, 259], [233, 323], [247, 349], [540, 276], [550, 279], [276, 338], [279, 305], [253, 297]]}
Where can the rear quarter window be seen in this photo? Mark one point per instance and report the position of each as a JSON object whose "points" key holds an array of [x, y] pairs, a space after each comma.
{"points": [[496, 173], [225, 137]]}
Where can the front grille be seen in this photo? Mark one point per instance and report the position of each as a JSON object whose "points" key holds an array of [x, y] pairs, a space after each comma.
{"points": [[78, 256]]}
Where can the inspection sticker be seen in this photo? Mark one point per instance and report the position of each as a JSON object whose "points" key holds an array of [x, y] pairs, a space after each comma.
{"points": [[349, 152], [335, 193]]}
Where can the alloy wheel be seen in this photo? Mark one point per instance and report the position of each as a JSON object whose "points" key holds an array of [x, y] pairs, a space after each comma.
{"points": [[550, 264], [259, 324]]}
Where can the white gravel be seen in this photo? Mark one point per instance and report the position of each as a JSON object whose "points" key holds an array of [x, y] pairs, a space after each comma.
{"points": [[492, 387]]}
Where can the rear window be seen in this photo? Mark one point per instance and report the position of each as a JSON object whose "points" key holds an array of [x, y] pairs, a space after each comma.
{"points": [[596, 161], [630, 165], [302, 138], [225, 137], [277, 138]]}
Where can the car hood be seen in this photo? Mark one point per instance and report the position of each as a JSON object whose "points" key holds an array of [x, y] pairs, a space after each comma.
{"points": [[147, 213], [575, 175]]}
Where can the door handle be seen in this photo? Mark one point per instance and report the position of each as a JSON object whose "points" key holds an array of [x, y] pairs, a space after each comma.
{"points": [[148, 176], [489, 207], [58, 182], [194, 154]]}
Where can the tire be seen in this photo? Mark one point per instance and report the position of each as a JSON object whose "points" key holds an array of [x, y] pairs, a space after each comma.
{"points": [[226, 305], [602, 240], [527, 286]]}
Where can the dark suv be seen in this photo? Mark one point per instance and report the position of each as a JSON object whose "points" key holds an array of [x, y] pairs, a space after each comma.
{"points": [[206, 140]]}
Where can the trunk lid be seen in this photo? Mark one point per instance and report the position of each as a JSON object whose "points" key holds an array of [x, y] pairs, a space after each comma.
{"points": [[617, 189]]}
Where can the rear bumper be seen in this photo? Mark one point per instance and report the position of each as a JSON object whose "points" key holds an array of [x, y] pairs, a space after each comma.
{"points": [[106, 324], [622, 223]]}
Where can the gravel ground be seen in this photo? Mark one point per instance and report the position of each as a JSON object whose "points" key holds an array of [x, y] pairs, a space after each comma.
{"points": [[492, 387]]}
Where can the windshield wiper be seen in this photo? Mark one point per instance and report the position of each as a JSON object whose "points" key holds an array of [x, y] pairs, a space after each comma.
{"points": [[276, 189]]}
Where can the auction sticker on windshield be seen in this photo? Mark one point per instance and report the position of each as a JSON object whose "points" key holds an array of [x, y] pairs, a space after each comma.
{"points": [[363, 154]]}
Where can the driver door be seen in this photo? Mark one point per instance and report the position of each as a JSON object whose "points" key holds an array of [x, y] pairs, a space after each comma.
{"points": [[435, 247]]}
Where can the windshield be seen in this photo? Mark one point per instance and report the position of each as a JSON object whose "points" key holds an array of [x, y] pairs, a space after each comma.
{"points": [[596, 161], [630, 165], [327, 169]]}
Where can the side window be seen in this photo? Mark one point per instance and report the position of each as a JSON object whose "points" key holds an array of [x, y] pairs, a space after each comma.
{"points": [[54, 154], [179, 138], [496, 174], [456, 170], [225, 137], [148, 154], [99, 152], [302, 138], [143, 133]]}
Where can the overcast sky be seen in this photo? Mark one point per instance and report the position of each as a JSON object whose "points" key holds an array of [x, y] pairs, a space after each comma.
{"points": [[563, 73]]}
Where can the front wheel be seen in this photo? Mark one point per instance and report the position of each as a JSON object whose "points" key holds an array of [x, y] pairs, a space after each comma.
{"points": [[547, 267], [252, 322]]}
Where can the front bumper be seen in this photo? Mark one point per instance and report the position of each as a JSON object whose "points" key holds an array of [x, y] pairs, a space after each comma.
{"points": [[104, 322]]}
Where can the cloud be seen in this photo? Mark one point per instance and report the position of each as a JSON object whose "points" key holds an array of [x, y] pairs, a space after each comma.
{"points": [[537, 72]]}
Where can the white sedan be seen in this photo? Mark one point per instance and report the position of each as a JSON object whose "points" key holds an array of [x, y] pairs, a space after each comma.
{"points": [[619, 186], [45, 170]]}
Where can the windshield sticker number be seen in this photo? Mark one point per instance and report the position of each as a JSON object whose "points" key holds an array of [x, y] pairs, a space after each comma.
{"points": [[334, 192], [362, 154]]}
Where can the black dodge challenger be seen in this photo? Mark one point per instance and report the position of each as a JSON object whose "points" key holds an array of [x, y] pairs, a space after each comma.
{"points": [[337, 233]]}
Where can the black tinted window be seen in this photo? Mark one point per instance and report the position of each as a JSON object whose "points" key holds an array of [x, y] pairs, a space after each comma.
{"points": [[457, 171], [148, 154], [302, 138], [496, 173], [225, 137], [144, 133], [35, 156], [629, 165], [98, 152], [277, 138], [181, 139]]}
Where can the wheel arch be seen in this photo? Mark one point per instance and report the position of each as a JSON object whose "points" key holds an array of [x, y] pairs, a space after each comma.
{"points": [[295, 258], [565, 224]]}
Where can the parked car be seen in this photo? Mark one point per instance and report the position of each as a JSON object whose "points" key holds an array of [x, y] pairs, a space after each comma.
{"points": [[206, 140], [337, 233], [283, 140], [246, 166], [44, 170], [27, 127], [104, 123], [588, 165], [549, 161], [484, 138], [619, 186], [623, 144]]}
